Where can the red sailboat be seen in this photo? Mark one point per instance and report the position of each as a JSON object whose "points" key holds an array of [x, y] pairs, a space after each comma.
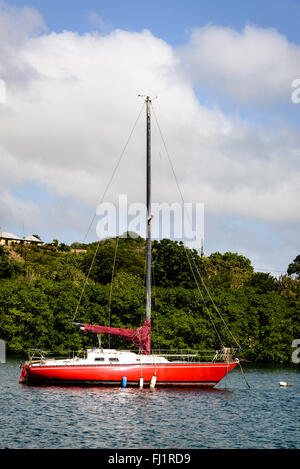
{"points": [[111, 367]]}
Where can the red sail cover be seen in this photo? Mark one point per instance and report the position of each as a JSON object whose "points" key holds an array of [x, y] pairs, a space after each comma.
{"points": [[140, 336]]}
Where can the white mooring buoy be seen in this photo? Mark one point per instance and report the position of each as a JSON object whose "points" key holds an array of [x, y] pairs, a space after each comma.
{"points": [[153, 382], [141, 383], [283, 384]]}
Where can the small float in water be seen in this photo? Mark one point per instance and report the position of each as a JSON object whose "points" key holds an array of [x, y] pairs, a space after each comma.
{"points": [[284, 384]]}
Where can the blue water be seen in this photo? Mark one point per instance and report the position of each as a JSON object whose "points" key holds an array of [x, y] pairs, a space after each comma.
{"points": [[229, 416]]}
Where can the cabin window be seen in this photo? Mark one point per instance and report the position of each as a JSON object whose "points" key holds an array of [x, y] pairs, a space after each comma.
{"points": [[113, 359], [99, 359]]}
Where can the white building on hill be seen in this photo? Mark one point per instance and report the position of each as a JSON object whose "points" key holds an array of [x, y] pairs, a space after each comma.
{"points": [[8, 239], [32, 240]]}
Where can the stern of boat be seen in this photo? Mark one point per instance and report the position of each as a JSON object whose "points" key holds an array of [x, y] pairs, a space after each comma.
{"points": [[24, 373]]}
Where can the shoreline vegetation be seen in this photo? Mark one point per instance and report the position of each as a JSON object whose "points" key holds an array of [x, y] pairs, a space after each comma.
{"points": [[40, 288]]}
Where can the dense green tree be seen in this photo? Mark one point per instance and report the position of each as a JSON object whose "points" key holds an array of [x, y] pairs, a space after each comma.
{"points": [[129, 255], [221, 302], [263, 282], [174, 264], [294, 267], [9, 268]]}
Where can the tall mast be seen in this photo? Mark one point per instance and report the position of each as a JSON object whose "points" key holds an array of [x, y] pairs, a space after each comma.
{"points": [[148, 202]]}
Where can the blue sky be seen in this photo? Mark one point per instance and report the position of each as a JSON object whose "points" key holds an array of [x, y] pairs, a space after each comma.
{"points": [[226, 68], [169, 19]]}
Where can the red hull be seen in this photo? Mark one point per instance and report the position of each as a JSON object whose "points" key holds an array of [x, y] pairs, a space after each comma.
{"points": [[170, 374]]}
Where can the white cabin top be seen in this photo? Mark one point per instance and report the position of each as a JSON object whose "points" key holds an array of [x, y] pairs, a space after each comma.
{"points": [[99, 356]]}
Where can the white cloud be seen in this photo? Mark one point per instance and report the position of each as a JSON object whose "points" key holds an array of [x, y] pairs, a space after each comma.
{"points": [[16, 25], [16, 210], [64, 126], [255, 66]]}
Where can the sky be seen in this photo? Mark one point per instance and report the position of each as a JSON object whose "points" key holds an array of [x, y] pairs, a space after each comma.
{"points": [[227, 80]]}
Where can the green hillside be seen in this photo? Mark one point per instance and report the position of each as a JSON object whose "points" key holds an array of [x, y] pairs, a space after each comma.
{"points": [[197, 302]]}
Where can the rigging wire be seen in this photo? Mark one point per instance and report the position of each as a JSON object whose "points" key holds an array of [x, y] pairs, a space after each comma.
{"points": [[102, 198], [115, 169], [111, 286], [210, 297], [243, 374], [187, 251], [202, 297]]}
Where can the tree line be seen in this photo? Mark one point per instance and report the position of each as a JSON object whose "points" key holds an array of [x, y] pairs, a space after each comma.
{"points": [[198, 302]]}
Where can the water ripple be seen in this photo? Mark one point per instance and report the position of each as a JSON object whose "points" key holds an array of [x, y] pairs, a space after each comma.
{"points": [[234, 416]]}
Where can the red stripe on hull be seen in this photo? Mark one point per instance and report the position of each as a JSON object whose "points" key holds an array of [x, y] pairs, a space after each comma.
{"points": [[199, 374]]}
